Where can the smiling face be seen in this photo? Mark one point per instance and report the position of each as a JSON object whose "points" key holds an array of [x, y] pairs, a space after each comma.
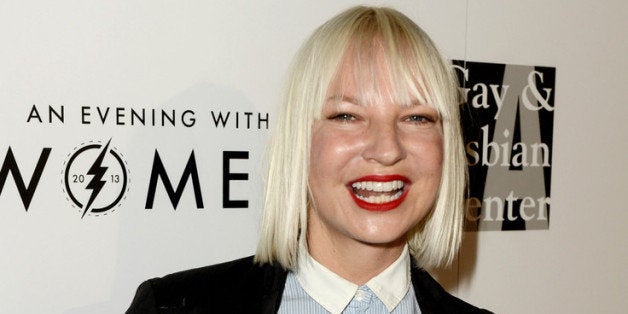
{"points": [[375, 163]]}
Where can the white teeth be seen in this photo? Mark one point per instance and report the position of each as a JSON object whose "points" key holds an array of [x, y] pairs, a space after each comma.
{"points": [[378, 186], [383, 187], [380, 199]]}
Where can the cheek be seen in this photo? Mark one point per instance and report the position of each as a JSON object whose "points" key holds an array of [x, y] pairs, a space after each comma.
{"points": [[429, 169], [436, 159], [318, 153], [438, 155], [330, 151], [435, 163], [428, 153]]}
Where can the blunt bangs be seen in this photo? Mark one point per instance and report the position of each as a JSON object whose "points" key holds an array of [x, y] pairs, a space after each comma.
{"points": [[381, 48]]}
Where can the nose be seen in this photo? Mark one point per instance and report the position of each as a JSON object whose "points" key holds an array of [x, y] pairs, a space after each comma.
{"points": [[384, 145]]}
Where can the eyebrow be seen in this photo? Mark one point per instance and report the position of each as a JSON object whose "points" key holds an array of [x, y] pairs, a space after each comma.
{"points": [[344, 98], [355, 101]]}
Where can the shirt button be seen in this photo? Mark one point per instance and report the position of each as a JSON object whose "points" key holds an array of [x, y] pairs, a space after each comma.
{"points": [[361, 295]]}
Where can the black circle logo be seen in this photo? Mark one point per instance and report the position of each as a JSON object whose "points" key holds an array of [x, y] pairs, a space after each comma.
{"points": [[95, 178]]}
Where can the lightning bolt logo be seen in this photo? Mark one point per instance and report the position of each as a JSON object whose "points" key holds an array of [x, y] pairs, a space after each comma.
{"points": [[85, 171], [97, 170]]}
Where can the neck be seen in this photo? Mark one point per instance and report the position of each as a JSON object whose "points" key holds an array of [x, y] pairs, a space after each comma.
{"points": [[355, 261]]}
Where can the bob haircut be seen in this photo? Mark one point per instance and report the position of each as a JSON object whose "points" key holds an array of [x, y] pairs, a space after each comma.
{"points": [[416, 71]]}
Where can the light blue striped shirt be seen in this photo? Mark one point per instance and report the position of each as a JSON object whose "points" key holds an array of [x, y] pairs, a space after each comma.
{"points": [[315, 289]]}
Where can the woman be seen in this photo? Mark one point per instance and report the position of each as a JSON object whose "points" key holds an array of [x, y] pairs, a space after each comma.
{"points": [[366, 176]]}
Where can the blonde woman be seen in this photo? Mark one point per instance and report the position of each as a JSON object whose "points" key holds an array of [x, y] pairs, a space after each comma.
{"points": [[365, 185]]}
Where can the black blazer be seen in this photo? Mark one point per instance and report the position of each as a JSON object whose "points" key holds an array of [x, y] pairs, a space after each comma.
{"points": [[241, 286]]}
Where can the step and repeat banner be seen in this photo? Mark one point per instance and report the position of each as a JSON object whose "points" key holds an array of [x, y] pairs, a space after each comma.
{"points": [[133, 137], [508, 120], [132, 143]]}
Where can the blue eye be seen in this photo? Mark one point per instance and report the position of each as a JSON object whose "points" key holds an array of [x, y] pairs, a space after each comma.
{"points": [[418, 119], [343, 117]]}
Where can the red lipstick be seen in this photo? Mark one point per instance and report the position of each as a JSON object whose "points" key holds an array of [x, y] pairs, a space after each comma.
{"points": [[379, 192]]}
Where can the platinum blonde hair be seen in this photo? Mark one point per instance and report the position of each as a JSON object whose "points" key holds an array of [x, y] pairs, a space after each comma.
{"points": [[417, 71]]}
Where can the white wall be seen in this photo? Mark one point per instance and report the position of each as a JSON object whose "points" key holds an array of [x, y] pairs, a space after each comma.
{"points": [[231, 55]]}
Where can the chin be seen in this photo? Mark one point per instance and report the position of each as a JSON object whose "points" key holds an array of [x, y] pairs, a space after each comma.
{"points": [[388, 239]]}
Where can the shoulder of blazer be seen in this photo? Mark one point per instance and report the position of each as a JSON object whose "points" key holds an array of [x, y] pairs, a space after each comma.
{"points": [[432, 298], [239, 286]]}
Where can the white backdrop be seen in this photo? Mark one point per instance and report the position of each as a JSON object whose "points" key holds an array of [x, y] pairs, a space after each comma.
{"points": [[231, 56]]}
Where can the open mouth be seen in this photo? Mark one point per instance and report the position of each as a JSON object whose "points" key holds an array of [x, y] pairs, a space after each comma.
{"points": [[379, 192]]}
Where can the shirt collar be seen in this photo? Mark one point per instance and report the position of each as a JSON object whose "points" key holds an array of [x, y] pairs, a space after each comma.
{"points": [[390, 286]]}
